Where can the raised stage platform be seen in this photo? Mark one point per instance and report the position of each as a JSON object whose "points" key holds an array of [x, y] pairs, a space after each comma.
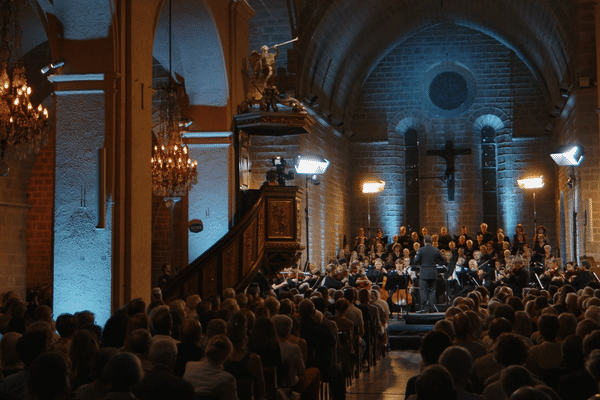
{"points": [[406, 331]]}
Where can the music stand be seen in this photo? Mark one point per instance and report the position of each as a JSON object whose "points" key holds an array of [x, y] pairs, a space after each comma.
{"points": [[398, 282]]}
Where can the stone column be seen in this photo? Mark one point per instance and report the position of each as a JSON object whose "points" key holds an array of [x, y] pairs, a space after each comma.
{"points": [[82, 238]]}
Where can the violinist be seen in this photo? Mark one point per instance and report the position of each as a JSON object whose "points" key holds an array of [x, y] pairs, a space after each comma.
{"points": [[518, 276], [581, 275], [553, 275], [333, 278], [280, 283]]}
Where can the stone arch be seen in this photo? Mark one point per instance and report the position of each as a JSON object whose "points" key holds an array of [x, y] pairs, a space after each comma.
{"points": [[197, 53]]}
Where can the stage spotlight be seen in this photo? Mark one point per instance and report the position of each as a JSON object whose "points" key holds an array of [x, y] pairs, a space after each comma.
{"points": [[568, 155]]}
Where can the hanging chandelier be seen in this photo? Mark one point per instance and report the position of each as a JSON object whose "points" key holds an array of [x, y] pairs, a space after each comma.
{"points": [[23, 127], [174, 173]]}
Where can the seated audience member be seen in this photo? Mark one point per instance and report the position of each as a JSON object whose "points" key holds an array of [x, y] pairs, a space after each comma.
{"points": [[83, 348], [115, 331], [294, 375], [161, 383], [11, 364], [511, 379], [188, 349], [99, 387], [321, 343], [435, 383], [140, 341], [432, 346], [48, 377], [241, 363], [123, 372], [66, 326], [580, 384], [457, 360], [463, 329], [547, 355], [161, 323], [207, 376]]}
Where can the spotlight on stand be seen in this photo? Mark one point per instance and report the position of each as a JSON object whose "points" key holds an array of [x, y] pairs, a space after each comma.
{"points": [[532, 183], [311, 167], [568, 155], [369, 188]]}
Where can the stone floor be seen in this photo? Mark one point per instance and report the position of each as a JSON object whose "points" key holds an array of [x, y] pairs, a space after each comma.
{"points": [[387, 380]]}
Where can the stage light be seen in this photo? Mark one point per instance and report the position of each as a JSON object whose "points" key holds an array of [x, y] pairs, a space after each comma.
{"points": [[373, 186], [568, 155], [531, 182], [311, 165]]}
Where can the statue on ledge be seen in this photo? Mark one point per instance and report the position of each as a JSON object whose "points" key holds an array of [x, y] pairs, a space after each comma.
{"points": [[264, 65]]}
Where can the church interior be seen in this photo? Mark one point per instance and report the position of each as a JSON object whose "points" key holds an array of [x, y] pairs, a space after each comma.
{"points": [[448, 102]]}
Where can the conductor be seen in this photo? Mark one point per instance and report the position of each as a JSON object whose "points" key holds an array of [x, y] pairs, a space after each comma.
{"points": [[428, 257]]}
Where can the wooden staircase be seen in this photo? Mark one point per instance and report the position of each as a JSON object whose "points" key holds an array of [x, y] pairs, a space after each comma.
{"points": [[266, 238]]}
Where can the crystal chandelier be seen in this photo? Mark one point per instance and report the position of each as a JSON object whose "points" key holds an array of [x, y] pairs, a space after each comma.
{"points": [[23, 128], [174, 173]]}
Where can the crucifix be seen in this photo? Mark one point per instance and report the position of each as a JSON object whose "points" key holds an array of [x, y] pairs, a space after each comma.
{"points": [[448, 153]]}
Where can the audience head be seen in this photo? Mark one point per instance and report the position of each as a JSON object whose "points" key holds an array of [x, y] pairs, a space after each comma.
{"points": [[218, 349], [190, 331], [161, 321], [515, 377], [432, 345], [216, 326], [48, 377], [510, 349], [140, 341], [66, 325], [163, 351], [458, 361], [31, 344], [548, 326], [306, 308], [435, 383], [123, 371], [283, 326]]}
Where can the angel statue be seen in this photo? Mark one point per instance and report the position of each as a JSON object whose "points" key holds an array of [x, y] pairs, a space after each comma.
{"points": [[264, 64]]}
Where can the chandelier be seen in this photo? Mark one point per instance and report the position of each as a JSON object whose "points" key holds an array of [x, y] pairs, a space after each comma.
{"points": [[23, 128], [174, 173]]}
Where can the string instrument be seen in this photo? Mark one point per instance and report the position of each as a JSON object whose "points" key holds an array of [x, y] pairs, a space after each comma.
{"points": [[403, 297], [362, 282], [383, 293]]}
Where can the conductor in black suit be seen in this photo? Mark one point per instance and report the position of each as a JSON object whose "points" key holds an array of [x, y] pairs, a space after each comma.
{"points": [[428, 257]]}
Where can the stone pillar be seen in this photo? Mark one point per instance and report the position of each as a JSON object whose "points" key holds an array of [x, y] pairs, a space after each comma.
{"points": [[82, 237]]}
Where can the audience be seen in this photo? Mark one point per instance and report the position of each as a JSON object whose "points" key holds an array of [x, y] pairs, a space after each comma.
{"points": [[491, 345]]}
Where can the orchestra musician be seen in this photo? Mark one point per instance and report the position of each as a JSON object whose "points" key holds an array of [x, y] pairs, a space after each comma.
{"points": [[398, 285]]}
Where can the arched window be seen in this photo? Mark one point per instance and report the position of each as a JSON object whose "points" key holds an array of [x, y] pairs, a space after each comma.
{"points": [[489, 190], [411, 168]]}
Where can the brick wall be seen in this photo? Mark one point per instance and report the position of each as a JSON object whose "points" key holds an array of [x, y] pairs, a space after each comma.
{"points": [[328, 220], [40, 219]]}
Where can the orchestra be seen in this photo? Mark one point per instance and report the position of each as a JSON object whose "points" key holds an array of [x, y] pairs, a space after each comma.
{"points": [[389, 267]]}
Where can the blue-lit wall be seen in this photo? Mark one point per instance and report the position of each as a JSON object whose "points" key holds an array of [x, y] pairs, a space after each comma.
{"points": [[82, 252], [209, 199], [499, 91]]}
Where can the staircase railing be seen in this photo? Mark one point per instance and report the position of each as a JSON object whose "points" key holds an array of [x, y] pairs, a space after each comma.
{"points": [[267, 237]]}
